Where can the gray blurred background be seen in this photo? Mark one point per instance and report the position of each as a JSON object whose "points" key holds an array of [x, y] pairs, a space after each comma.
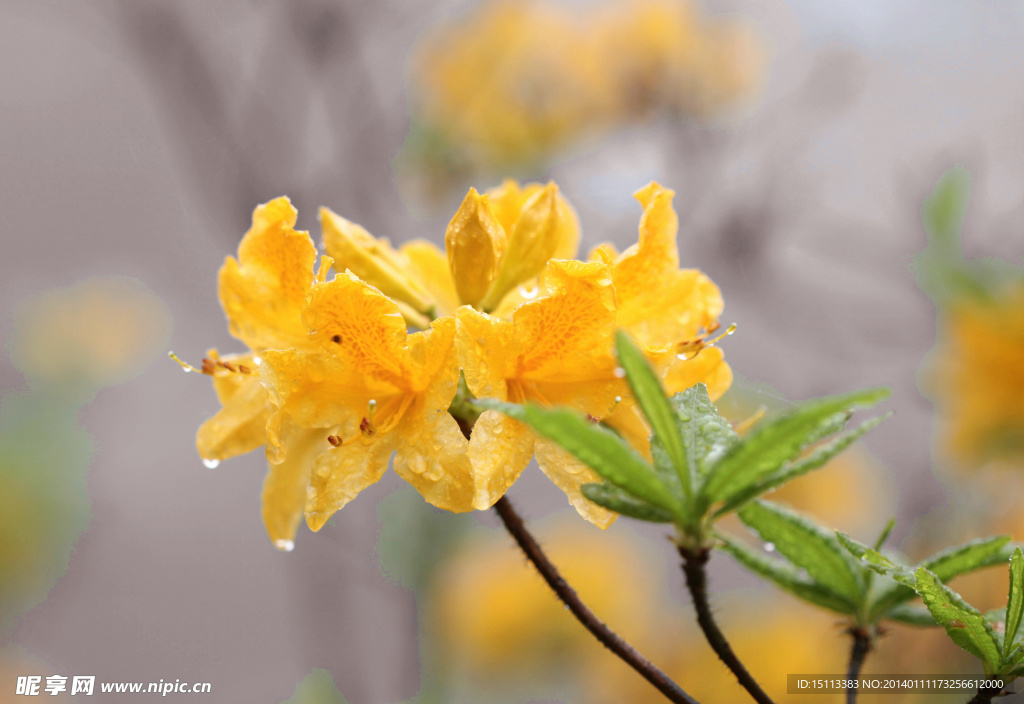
{"points": [[138, 136]]}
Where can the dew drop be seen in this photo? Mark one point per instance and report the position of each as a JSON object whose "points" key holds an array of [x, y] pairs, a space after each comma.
{"points": [[257, 360], [682, 356], [528, 293], [186, 369], [284, 545], [619, 372], [211, 464], [769, 547]]}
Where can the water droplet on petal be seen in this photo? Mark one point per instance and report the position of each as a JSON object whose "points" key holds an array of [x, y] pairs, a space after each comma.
{"points": [[528, 293], [769, 547], [257, 360], [284, 545], [186, 369], [211, 464], [619, 372]]}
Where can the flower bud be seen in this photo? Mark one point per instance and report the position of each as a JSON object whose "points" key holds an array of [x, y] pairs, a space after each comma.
{"points": [[475, 242]]}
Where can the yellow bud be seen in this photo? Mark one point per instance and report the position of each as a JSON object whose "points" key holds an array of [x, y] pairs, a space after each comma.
{"points": [[546, 228], [372, 260], [475, 242]]}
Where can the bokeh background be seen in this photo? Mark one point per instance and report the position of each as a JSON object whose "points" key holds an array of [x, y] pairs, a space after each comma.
{"points": [[801, 138]]}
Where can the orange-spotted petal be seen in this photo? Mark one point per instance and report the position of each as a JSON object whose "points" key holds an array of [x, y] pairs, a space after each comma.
{"points": [[262, 291]]}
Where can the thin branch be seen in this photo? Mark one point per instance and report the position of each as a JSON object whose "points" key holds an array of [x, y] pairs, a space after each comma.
{"points": [[858, 653], [583, 614], [694, 564], [985, 695]]}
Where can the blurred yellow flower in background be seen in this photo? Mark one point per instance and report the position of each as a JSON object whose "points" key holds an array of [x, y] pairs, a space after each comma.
{"points": [[975, 375], [98, 332], [511, 83]]}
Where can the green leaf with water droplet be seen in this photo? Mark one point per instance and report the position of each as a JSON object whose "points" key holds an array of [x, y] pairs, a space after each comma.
{"points": [[615, 499], [947, 564], [807, 546], [595, 446], [775, 443], [787, 577], [964, 624], [1014, 600], [791, 470], [660, 416]]}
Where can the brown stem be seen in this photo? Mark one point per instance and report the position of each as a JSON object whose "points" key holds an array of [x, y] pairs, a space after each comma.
{"points": [[986, 695], [583, 614], [858, 653], [694, 563]]}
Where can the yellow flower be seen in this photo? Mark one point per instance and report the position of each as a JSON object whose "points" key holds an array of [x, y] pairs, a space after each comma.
{"points": [[668, 310], [363, 389], [262, 293], [556, 350], [976, 380]]}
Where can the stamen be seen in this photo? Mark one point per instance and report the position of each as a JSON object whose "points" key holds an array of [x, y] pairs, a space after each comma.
{"points": [[325, 264], [593, 419], [335, 440], [184, 365], [366, 428]]}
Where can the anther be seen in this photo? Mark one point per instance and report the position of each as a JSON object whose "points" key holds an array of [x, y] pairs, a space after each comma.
{"points": [[334, 440], [366, 428], [336, 339]]}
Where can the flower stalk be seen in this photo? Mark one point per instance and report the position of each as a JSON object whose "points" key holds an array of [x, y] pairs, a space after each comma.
{"points": [[858, 654], [694, 567]]}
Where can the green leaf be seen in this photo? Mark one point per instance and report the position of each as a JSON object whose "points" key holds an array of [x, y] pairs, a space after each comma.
{"points": [[818, 458], [945, 208], [912, 615], [657, 409], [805, 545], [884, 535], [984, 552], [963, 623], [787, 577], [1014, 600], [615, 499], [781, 440], [705, 433], [595, 446], [975, 555]]}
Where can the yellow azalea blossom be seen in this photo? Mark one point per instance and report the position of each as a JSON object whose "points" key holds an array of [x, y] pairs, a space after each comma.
{"points": [[262, 293], [363, 389], [976, 380], [556, 350]]}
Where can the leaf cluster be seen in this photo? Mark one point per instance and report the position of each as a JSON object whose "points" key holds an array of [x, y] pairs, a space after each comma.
{"points": [[702, 470], [994, 638]]}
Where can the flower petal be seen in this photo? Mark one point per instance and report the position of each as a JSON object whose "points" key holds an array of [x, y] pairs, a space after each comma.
{"points": [[291, 455], [430, 266], [658, 303], [569, 474], [340, 473], [708, 366], [240, 425], [263, 290], [486, 352], [475, 243], [373, 260], [499, 450]]}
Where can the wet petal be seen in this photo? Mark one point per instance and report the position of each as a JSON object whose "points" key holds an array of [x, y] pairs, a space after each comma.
{"points": [[340, 473], [569, 475], [475, 244], [240, 425], [486, 352], [432, 456], [373, 260], [263, 290], [708, 367], [293, 453], [499, 450], [430, 265]]}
